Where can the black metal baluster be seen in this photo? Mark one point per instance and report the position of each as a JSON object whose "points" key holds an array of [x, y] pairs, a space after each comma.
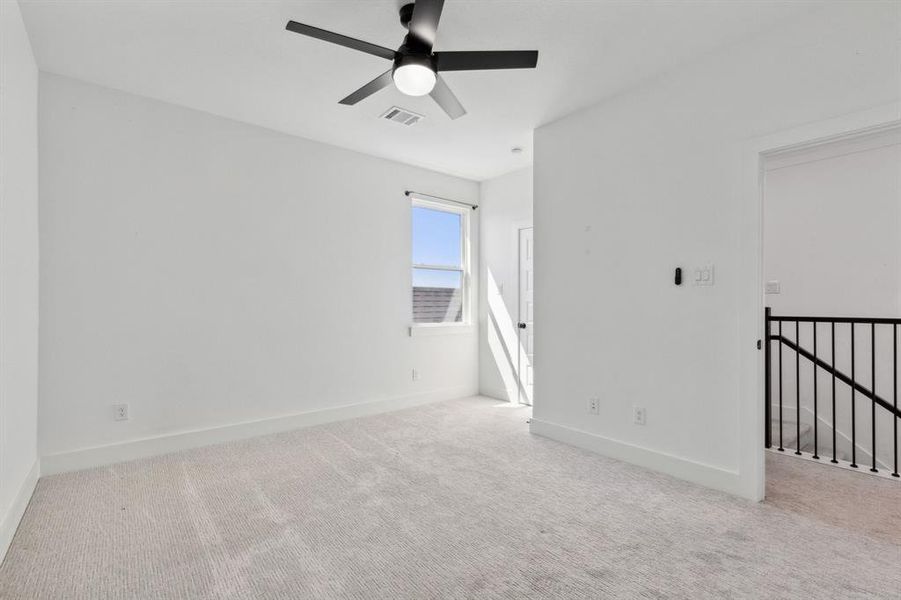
{"points": [[895, 391], [768, 381], [873, 469], [781, 449], [797, 390], [815, 417], [853, 406], [834, 416]]}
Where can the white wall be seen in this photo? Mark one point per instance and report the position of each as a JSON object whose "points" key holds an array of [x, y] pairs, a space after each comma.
{"points": [[18, 270], [832, 217], [505, 206], [653, 179], [207, 273]]}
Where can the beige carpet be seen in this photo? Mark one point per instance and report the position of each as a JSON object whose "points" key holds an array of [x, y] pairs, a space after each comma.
{"points": [[452, 500], [853, 501]]}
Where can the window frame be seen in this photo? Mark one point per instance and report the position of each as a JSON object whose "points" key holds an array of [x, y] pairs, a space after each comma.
{"points": [[465, 266]]}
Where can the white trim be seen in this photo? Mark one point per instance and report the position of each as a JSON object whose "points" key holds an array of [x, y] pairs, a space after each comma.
{"points": [[465, 268], [752, 463], [497, 394], [881, 137], [675, 466], [17, 509], [430, 329], [428, 267], [86, 458]]}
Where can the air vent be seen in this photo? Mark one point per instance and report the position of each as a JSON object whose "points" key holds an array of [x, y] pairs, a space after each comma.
{"points": [[402, 116]]}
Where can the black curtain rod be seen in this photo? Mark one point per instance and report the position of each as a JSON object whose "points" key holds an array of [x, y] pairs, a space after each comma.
{"points": [[409, 193]]}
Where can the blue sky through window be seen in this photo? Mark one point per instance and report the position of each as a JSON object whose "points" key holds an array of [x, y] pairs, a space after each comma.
{"points": [[435, 278], [436, 237], [437, 240]]}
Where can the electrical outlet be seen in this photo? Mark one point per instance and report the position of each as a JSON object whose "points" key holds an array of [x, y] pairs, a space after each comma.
{"points": [[415, 375], [639, 416], [120, 412], [594, 406]]}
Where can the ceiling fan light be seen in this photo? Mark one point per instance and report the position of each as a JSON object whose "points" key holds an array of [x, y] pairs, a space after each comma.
{"points": [[414, 79]]}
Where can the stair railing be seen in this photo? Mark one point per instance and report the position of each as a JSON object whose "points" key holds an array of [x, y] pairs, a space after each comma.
{"points": [[783, 340]]}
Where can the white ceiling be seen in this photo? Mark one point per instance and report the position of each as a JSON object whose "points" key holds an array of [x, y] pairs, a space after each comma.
{"points": [[234, 58]]}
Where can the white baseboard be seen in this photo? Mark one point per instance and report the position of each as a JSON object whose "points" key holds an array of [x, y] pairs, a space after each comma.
{"points": [[11, 520], [496, 393], [97, 456], [710, 476]]}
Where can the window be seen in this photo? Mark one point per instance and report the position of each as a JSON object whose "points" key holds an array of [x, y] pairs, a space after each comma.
{"points": [[440, 263]]}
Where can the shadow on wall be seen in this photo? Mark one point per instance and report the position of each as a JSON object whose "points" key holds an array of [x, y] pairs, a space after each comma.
{"points": [[503, 341]]}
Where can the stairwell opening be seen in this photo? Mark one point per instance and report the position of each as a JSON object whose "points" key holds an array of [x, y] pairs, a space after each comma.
{"points": [[832, 285]]}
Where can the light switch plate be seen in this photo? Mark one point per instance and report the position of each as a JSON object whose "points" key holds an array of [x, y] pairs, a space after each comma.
{"points": [[773, 287], [703, 276]]}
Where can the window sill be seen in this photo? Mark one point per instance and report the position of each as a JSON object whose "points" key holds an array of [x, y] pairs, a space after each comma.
{"points": [[429, 329]]}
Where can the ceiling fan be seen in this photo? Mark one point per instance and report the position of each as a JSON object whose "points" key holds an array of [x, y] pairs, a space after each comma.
{"points": [[416, 69]]}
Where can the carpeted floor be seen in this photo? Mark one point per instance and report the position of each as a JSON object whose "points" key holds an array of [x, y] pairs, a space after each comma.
{"points": [[451, 500]]}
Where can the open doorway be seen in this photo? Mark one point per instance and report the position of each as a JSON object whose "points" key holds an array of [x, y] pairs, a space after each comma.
{"points": [[757, 151], [507, 280], [831, 285]]}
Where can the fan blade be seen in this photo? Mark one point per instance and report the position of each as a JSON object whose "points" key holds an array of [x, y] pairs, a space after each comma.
{"points": [[369, 89], [446, 99], [341, 40], [424, 22], [492, 59]]}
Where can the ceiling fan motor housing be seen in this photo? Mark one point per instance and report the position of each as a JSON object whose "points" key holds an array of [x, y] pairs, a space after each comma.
{"points": [[406, 14], [414, 51]]}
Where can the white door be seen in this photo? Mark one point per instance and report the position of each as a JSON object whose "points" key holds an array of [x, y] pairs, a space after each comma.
{"points": [[526, 315]]}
